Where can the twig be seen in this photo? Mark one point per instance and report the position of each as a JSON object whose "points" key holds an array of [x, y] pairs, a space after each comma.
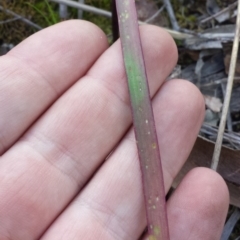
{"points": [[173, 33], [84, 7], [218, 145], [228, 8], [171, 15], [23, 19], [229, 119], [155, 14], [232, 138], [10, 20], [219, 81], [80, 12], [63, 11]]}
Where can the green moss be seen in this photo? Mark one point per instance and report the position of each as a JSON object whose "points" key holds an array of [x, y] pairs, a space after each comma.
{"points": [[185, 19], [103, 22], [38, 11]]}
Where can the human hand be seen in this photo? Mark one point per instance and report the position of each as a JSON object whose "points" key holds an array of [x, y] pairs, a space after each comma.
{"points": [[69, 167]]}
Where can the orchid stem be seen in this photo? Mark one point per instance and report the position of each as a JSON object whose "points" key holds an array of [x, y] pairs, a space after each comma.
{"points": [[143, 121]]}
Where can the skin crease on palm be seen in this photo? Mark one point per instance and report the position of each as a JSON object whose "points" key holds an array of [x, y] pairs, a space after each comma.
{"points": [[64, 108]]}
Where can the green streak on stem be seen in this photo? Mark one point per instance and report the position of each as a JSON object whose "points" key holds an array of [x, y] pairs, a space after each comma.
{"points": [[135, 80]]}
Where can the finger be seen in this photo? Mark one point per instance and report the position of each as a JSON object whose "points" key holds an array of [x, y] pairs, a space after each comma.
{"points": [[111, 205], [59, 154], [198, 208], [37, 71]]}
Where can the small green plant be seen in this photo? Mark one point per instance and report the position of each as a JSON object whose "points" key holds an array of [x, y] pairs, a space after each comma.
{"points": [[46, 11], [185, 19]]}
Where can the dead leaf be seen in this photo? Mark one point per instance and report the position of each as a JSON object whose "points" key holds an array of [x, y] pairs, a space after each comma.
{"points": [[227, 49], [213, 103]]}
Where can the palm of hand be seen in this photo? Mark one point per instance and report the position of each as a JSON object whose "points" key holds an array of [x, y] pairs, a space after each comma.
{"points": [[64, 108]]}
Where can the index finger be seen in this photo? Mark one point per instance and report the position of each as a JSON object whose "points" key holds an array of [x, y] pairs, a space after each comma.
{"points": [[28, 84]]}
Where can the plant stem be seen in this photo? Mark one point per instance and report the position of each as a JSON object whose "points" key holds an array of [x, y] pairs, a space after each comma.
{"points": [[143, 121], [231, 74], [115, 27]]}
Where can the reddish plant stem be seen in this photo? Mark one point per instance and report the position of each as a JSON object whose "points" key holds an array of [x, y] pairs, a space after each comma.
{"points": [[115, 27], [143, 121]]}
